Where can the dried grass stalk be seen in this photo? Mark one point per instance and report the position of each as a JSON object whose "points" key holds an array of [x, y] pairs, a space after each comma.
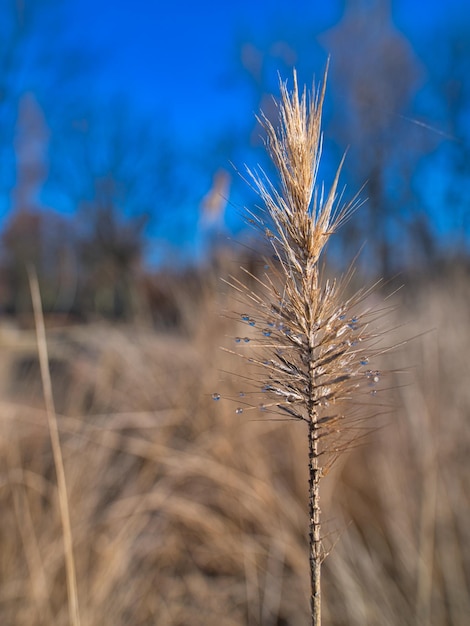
{"points": [[73, 606], [314, 343]]}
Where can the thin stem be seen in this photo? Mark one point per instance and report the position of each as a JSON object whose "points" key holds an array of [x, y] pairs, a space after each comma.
{"points": [[74, 614], [314, 524], [322, 364], [314, 476]]}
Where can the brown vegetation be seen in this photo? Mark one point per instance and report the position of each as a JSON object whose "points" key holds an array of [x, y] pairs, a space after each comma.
{"points": [[315, 343], [184, 512]]}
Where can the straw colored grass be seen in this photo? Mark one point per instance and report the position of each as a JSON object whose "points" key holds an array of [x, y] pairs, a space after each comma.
{"points": [[74, 613], [315, 344], [184, 512]]}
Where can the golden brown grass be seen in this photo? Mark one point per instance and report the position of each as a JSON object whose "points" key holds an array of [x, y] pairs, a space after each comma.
{"points": [[184, 512], [74, 612], [314, 344]]}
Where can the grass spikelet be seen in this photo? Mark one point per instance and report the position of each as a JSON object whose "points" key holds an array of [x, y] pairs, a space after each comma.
{"points": [[310, 343]]}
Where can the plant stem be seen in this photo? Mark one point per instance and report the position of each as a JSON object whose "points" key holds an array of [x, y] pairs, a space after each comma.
{"points": [[71, 576], [315, 362], [314, 521], [314, 476]]}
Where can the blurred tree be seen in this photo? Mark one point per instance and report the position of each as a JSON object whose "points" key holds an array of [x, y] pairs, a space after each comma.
{"points": [[371, 109], [112, 170], [33, 235], [375, 76], [119, 177], [30, 143], [29, 63], [30, 71], [14, 27], [451, 97]]}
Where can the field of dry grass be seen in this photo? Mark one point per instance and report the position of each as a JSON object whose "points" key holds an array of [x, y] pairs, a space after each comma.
{"points": [[184, 512]]}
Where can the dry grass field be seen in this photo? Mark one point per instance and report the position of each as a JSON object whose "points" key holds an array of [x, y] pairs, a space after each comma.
{"points": [[186, 513]]}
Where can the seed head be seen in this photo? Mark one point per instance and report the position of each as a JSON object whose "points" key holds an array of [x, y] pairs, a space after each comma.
{"points": [[311, 342]]}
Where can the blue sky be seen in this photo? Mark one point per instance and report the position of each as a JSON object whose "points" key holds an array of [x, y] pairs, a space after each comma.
{"points": [[166, 54], [176, 62], [179, 67]]}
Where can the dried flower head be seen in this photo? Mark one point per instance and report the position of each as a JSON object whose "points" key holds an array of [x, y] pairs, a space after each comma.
{"points": [[310, 342]]}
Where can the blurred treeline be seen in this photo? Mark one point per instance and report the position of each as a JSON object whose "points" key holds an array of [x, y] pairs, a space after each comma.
{"points": [[96, 197]]}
